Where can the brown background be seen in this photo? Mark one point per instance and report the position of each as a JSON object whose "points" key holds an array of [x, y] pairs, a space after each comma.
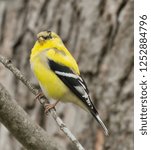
{"points": [[99, 33]]}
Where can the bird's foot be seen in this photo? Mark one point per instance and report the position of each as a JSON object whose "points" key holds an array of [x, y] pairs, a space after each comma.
{"points": [[50, 106], [39, 96]]}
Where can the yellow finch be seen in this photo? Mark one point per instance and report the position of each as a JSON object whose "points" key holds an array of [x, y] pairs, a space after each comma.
{"points": [[58, 73]]}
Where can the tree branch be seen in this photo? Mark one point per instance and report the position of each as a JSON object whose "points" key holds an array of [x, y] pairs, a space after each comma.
{"points": [[7, 63], [21, 126]]}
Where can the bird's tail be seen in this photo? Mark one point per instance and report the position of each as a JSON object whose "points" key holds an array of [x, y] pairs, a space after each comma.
{"points": [[96, 116]]}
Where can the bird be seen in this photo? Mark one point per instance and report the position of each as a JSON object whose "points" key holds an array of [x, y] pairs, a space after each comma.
{"points": [[58, 74]]}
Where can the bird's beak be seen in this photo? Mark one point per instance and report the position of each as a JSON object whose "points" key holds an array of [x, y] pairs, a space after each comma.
{"points": [[40, 39]]}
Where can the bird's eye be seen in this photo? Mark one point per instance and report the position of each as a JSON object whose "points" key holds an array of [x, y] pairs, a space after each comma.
{"points": [[47, 37], [50, 37], [49, 34]]}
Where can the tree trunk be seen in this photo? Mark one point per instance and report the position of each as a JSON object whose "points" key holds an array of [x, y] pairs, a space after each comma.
{"points": [[100, 36]]}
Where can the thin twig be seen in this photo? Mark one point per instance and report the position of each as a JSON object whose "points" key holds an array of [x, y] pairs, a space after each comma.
{"points": [[8, 64]]}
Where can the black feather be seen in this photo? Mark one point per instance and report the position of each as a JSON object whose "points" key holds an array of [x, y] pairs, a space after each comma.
{"points": [[72, 83]]}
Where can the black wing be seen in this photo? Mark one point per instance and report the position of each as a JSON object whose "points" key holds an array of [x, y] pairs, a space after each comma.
{"points": [[74, 82], [77, 85]]}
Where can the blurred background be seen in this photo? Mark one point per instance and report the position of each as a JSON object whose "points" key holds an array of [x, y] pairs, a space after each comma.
{"points": [[99, 33]]}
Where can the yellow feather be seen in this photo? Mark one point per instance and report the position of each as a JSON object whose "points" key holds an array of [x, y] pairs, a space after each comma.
{"points": [[51, 85], [57, 52], [50, 46]]}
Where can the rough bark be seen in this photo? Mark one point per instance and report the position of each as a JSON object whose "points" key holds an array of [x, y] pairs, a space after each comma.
{"points": [[100, 35], [21, 126]]}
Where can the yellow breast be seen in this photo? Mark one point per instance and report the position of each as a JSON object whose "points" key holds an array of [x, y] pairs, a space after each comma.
{"points": [[51, 85]]}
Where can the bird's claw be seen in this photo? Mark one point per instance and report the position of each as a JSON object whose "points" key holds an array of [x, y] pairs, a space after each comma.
{"points": [[39, 96], [50, 106]]}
